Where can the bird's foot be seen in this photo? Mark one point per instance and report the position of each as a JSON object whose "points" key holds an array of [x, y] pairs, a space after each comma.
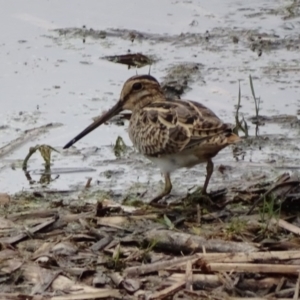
{"points": [[212, 196], [218, 193], [201, 195], [159, 201]]}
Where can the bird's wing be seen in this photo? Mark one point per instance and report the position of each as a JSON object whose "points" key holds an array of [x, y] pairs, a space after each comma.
{"points": [[173, 126]]}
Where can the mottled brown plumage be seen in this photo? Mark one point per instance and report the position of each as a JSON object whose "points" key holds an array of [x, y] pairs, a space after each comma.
{"points": [[171, 133]]}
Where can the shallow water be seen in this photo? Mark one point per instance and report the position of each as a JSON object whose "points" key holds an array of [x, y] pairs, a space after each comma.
{"points": [[47, 78]]}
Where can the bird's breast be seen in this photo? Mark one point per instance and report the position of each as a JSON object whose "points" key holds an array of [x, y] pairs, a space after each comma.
{"points": [[144, 136]]}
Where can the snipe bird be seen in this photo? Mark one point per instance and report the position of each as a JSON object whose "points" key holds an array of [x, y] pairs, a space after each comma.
{"points": [[171, 133]]}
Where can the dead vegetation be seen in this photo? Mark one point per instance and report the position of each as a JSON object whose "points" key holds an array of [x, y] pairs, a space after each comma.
{"points": [[183, 251]]}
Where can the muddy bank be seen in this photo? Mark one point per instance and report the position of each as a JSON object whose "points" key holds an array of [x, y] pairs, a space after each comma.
{"points": [[80, 249]]}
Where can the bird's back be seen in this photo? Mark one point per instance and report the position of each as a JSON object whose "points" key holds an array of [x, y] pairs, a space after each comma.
{"points": [[174, 126]]}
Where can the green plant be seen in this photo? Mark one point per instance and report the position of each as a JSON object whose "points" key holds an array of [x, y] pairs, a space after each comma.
{"points": [[256, 103], [269, 212], [240, 125]]}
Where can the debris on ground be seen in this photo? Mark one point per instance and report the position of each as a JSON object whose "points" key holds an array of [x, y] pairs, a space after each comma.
{"points": [[184, 250]]}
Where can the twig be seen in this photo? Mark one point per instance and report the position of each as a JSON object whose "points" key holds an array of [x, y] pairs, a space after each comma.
{"points": [[17, 238], [198, 214], [280, 284], [296, 294], [254, 298], [214, 281], [101, 294], [180, 242], [269, 191], [249, 257], [254, 268], [167, 291], [189, 276], [287, 226], [42, 286], [154, 267]]}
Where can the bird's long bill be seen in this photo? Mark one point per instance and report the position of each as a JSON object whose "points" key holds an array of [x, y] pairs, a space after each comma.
{"points": [[105, 117]]}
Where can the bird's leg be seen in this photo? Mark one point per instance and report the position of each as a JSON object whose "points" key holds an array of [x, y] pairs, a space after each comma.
{"points": [[166, 191], [209, 171]]}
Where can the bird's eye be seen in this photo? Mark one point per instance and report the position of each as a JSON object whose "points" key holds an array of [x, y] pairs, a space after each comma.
{"points": [[137, 86]]}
